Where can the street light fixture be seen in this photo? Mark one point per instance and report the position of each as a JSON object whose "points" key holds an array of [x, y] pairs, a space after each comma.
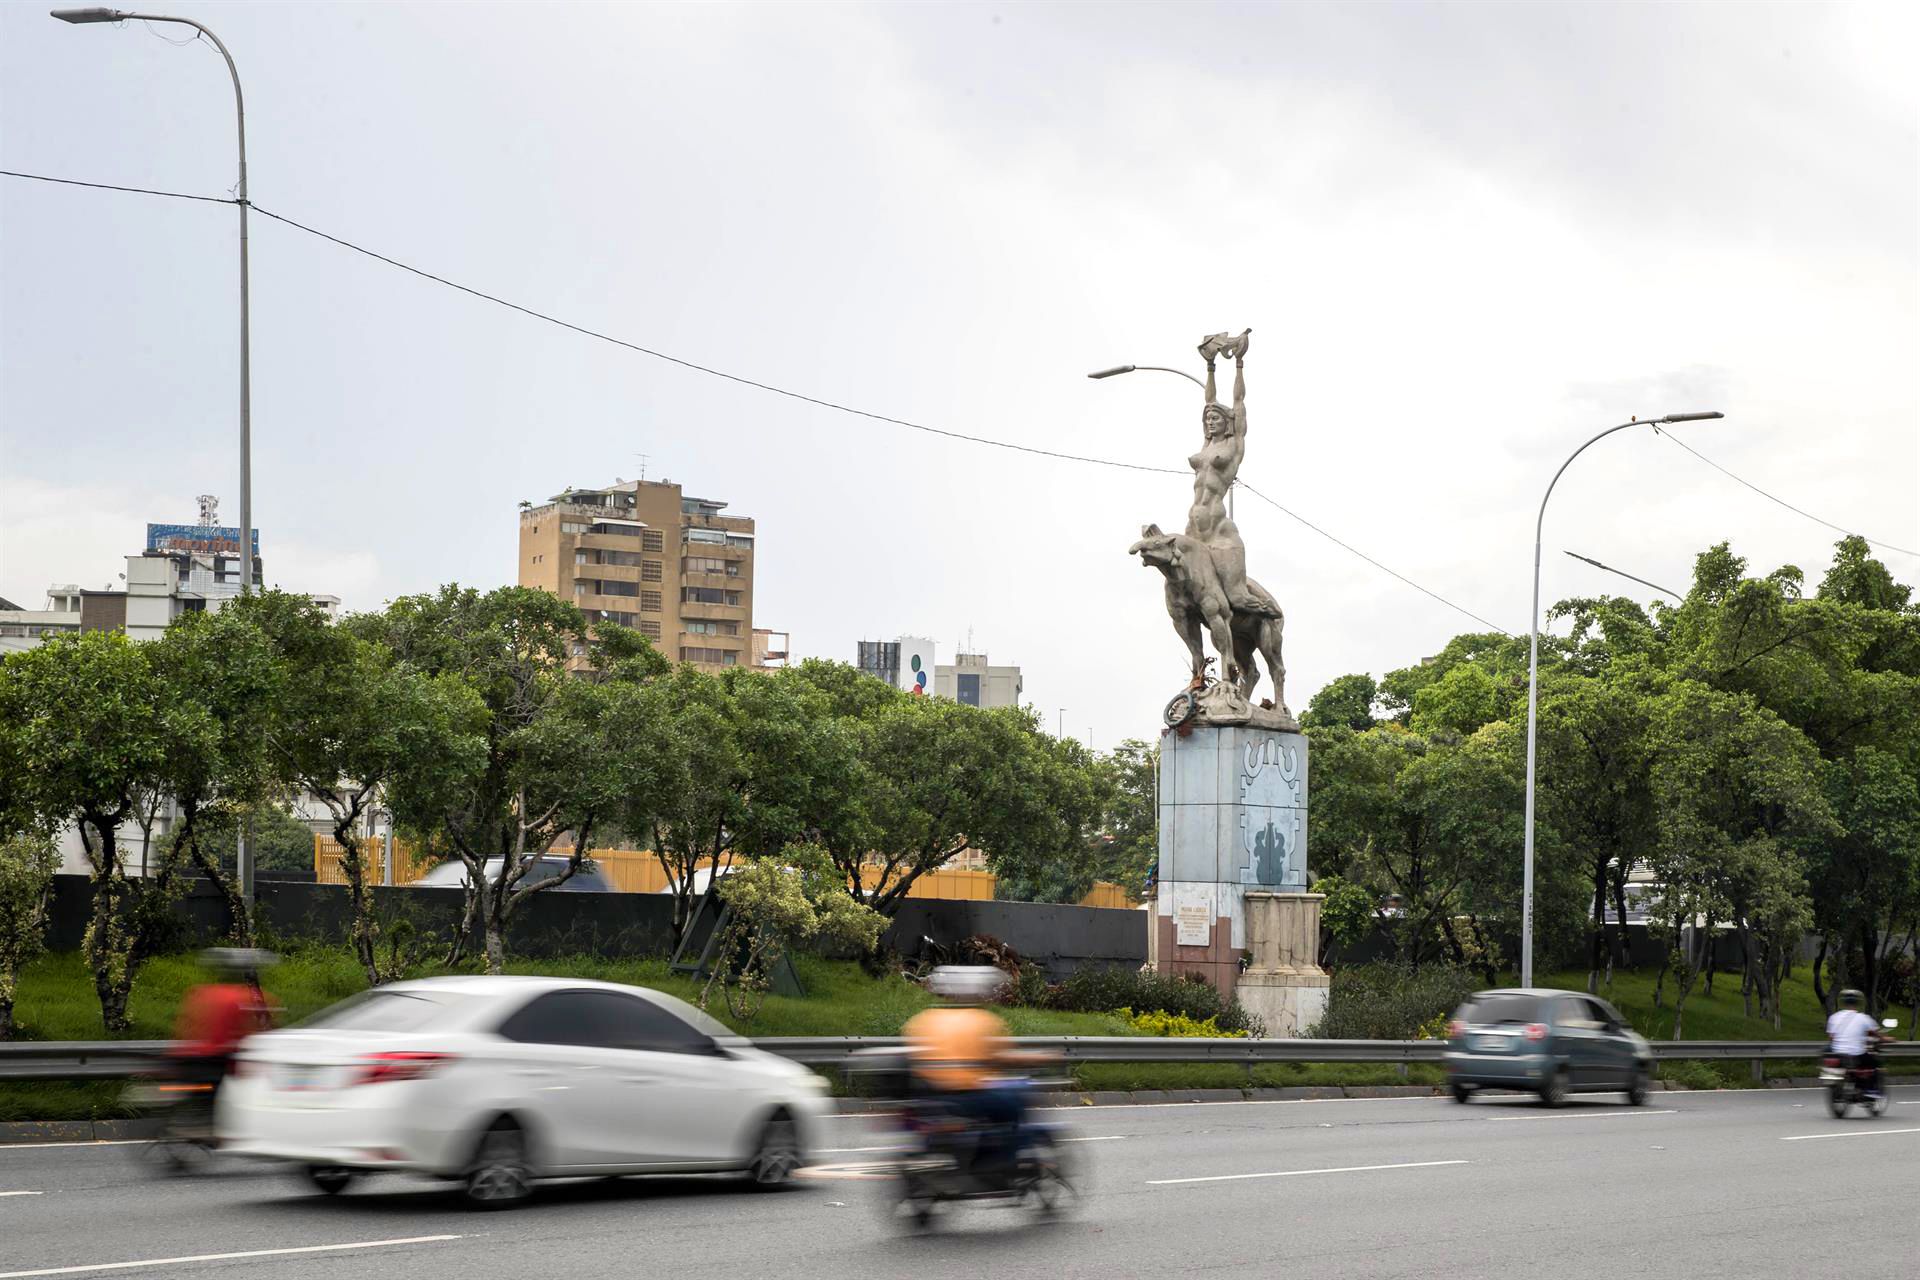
{"points": [[81, 17], [1156, 368], [1533, 674]]}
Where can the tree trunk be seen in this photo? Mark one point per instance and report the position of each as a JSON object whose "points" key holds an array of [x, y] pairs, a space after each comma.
{"points": [[1819, 984], [1620, 956], [1746, 967], [1598, 942], [239, 919], [362, 929]]}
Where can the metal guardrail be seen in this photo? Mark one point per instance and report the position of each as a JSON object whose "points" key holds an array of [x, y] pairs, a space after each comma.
{"points": [[77, 1059], [117, 1059]]}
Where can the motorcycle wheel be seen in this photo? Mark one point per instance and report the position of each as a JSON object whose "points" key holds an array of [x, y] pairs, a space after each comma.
{"points": [[1876, 1105], [1051, 1192], [1837, 1101]]}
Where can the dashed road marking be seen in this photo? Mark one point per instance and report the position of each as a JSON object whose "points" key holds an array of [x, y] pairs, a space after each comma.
{"points": [[1855, 1133], [85, 1268], [1296, 1173]]}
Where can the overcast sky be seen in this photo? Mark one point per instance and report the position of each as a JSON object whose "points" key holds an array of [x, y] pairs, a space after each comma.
{"points": [[1465, 236]]}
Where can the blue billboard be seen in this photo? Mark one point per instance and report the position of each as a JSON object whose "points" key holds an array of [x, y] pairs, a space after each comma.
{"points": [[206, 538]]}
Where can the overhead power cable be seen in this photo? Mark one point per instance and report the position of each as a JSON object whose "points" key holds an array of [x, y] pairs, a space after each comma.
{"points": [[108, 186], [1782, 501], [700, 368], [750, 382], [1370, 560]]}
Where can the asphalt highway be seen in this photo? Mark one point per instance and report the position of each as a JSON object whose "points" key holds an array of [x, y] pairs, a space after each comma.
{"points": [[1760, 1183]]}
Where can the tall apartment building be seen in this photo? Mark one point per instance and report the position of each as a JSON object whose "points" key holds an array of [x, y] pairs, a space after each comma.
{"points": [[643, 554]]}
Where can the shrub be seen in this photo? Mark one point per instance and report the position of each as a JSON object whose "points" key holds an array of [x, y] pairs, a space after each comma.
{"points": [[1155, 1022], [1391, 1001], [1093, 990]]}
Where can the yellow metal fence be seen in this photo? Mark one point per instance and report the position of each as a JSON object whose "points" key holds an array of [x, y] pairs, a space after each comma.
{"points": [[638, 871]]}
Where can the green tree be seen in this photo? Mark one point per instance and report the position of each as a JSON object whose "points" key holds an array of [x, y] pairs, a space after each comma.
{"points": [[1595, 791], [224, 677], [777, 904], [277, 840], [1132, 837], [1049, 844], [350, 721], [27, 864], [1345, 702], [545, 767], [1737, 793], [95, 722]]}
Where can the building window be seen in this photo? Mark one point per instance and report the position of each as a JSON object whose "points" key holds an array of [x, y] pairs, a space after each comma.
{"points": [[709, 564], [567, 526], [610, 587], [650, 602], [611, 615], [650, 629], [716, 657], [619, 530], [715, 536], [740, 540], [652, 540], [969, 690], [708, 595], [581, 586], [193, 605], [650, 570], [711, 628], [628, 558]]}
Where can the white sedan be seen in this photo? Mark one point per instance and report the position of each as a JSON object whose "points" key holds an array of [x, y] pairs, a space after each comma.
{"points": [[496, 1081]]}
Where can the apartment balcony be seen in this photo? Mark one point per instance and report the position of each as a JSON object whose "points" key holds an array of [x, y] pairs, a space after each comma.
{"points": [[714, 612]]}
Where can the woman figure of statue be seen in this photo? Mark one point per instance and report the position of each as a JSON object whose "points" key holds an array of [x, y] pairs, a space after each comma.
{"points": [[1214, 470]]}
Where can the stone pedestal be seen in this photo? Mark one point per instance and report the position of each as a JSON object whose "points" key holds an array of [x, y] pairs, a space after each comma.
{"points": [[1284, 986], [1233, 819]]}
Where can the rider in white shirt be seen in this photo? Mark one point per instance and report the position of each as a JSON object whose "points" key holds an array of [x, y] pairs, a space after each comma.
{"points": [[1853, 1034]]}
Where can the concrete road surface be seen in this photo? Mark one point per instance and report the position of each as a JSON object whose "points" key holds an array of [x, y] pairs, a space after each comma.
{"points": [[1693, 1184]]}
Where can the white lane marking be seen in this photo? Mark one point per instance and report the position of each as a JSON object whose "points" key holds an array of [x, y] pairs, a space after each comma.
{"points": [[1589, 1115], [862, 1151], [91, 1142], [1295, 1173], [223, 1257], [20, 1193], [1857, 1133]]}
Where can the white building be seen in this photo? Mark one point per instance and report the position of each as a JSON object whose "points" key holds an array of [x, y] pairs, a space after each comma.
{"points": [[975, 682], [907, 663], [26, 628]]}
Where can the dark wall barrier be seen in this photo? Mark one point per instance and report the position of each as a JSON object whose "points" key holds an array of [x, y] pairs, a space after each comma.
{"points": [[1060, 938], [619, 925], [610, 925]]}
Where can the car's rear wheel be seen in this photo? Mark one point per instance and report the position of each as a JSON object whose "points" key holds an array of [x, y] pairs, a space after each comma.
{"points": [[1462, 1094], [329, 1179], [500, 1175], [1637, 1087], [778, 1157], [1554, 1092]]}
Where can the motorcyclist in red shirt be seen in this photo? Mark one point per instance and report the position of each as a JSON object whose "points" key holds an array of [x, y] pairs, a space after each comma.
{"points": [[216, 1016]]}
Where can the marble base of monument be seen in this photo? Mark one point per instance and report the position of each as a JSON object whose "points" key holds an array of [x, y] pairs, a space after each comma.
{"points": [[1284, 985]]}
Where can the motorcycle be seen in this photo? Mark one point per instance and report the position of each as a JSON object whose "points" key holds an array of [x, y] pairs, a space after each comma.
{"points": [[947, 1159], [1849, 1085], [183, 1107]]}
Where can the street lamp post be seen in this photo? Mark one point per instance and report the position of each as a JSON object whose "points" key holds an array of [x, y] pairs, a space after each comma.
{"points": [[1533, 676], [85, 16], [1160, 368], [243, 862]]}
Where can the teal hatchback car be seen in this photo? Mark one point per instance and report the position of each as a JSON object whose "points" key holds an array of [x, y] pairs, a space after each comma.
{"points": [[1552, 1043]]}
